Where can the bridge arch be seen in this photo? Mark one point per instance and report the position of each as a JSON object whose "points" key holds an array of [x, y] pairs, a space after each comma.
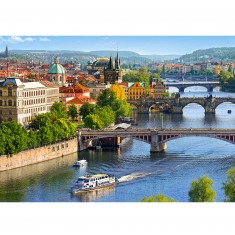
{"points": [[191, 103], [229, 139], [223, 102]]}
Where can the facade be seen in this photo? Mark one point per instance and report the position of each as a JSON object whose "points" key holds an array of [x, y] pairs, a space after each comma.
{"points": [[57, 73], [157, 89], [136, 90], [96, 88], [22, 101]]}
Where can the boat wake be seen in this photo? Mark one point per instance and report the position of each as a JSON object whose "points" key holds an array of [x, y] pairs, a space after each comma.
{"points": [[136, 175]]}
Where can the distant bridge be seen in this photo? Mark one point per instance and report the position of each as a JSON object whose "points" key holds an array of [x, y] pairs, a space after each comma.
{"points": [[182, 85], [157, 138], [176, 105]]}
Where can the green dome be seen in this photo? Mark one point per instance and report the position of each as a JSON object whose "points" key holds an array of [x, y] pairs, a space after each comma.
{"points": [[56, 68]]}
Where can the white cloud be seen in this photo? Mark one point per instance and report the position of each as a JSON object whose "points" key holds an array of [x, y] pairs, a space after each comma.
{"points": [[44, 39], [29, 39], [16, 39]]}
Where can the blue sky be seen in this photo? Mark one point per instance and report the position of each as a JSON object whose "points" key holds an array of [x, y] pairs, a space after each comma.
{"points": [[160, 45]]}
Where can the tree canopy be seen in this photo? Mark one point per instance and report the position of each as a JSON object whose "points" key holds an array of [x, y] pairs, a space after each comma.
{"points": [[158, 198], [229, 186], [201, 190], [73, 112]]}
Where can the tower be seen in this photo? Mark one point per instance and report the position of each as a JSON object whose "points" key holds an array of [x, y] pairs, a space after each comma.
{"points": [[6, 53], [113, 73]]}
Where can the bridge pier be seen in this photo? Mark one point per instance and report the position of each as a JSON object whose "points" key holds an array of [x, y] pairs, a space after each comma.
{"points": [[181, 89], [156, 146]]}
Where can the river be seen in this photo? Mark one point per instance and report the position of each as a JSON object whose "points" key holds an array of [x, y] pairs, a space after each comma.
{"points": [[141, 173]]}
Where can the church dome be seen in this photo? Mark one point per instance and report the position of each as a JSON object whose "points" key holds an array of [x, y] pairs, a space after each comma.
{"points": [[56, 68]]}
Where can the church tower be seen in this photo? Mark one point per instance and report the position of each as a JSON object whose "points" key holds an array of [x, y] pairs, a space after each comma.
{"points": [[6, 53], [113, 73]]}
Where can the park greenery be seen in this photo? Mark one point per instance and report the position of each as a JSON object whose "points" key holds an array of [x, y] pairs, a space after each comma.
{"points": [[110, 105], [227, 80], [201, 190], [44, 129]]}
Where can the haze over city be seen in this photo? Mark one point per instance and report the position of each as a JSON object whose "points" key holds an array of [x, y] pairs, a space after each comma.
{"points": [[161, 45]]}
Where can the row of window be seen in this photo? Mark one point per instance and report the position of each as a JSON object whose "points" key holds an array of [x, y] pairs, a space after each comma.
{"points": [[9, 91], [137, 93], [34, 93], [35, 110], [10, 112], [9, 103], [34, 101]]}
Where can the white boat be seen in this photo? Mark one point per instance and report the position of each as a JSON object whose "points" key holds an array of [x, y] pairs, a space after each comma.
{"points": [[92, 182], [80, 163]]}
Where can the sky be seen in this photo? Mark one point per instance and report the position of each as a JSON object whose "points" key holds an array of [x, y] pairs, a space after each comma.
{"points": [[144, 45]]}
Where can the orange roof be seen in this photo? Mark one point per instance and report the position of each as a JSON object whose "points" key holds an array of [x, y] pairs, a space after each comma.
{"points": [[81, 100]]}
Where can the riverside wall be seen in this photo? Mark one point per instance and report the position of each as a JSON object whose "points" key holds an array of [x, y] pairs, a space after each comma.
{"points": [[37, 155]]}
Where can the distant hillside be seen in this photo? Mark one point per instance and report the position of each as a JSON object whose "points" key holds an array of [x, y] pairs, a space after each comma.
{"points": [[161, 57], [127, 57], [211, 54]]}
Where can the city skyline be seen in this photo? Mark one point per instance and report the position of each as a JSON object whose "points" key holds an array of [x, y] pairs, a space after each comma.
{"points": [[144, 45]]}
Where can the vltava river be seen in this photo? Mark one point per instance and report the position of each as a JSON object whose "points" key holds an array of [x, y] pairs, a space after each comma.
{"points": [[141, 173]]}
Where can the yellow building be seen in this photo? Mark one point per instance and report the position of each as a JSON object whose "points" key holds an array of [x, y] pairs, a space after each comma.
{"points": [[136, 90]]}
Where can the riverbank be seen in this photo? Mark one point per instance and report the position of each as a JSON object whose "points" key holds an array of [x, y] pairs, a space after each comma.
{"points": [[37, 155]]}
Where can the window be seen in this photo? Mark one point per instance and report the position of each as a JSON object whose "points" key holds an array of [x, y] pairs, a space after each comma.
{"points": [[9, 91], [53, 149], [0, 102], [0, 92], [9, 102]]}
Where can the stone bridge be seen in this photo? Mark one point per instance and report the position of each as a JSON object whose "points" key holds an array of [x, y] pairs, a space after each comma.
{"points": [[176, 105], [157, 138], [182, 85]]}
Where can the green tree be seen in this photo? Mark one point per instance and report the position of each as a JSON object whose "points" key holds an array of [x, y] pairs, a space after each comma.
{"points": [[41, 120], [230, 69], [158, 198], [93, 121], [201, 190], [106, 98], [58, 110], [2, 142], [46, 134], [229, 186], [32, 139], [106, 115], [86, 109], [73, 112], [121, 108]]}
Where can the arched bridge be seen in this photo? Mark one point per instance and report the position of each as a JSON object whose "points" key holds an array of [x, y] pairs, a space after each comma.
{"points": [[157, 138], [182, 85], [176, 105]]}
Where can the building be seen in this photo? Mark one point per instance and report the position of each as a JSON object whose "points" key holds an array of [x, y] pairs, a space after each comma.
{"points": [[57, 73], [78, 102], [157, 89], [5, 53], [136, 90], [113, 73], [69, 92], [96, 88], [22, 101]]}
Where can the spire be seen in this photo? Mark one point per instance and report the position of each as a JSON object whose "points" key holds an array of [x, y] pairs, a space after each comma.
{"points": [[6, 52], [117, 62], [110, 66], [56, 61]]}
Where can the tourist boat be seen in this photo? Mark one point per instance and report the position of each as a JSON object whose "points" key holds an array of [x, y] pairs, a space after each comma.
{"points": [[80, 163], [92, 182]]}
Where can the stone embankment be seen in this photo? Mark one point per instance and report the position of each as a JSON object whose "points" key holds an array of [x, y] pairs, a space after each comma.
{"points": [[37, 155]]}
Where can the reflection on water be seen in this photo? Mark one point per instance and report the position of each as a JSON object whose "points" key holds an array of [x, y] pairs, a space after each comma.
{"points": [[141, 173], [93, 195]]}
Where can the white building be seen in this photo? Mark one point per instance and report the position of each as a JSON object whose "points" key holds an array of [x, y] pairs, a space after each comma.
{"points": [[22, 101]]}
